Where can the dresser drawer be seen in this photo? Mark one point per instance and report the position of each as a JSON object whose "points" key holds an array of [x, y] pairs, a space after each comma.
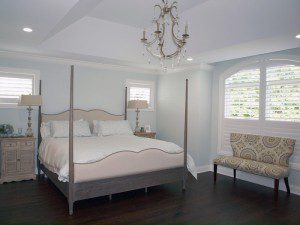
{"points": [[27, 145], [10, 145]]}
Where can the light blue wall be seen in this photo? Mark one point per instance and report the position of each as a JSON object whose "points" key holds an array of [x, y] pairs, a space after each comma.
{"points": [[170, 110], [94, 88], [219, 69]]}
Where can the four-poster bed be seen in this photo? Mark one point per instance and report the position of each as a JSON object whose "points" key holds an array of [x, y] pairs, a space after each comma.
{"points": [[83, 183]]}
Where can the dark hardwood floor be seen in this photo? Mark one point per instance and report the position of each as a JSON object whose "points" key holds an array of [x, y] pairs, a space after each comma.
{"points": [[39, 202]]}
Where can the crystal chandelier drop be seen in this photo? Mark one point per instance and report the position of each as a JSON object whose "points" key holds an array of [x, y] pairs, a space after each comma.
{"points": [[156, 47]]}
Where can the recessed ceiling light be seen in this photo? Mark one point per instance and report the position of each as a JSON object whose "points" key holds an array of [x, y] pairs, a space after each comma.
{"points": [[27, 29], [298, 36], [189, 59]]}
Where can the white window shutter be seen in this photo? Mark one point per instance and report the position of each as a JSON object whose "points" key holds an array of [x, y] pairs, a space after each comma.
{"points": [[283, 93], [12, 86], [139, 93], [242, 95]]}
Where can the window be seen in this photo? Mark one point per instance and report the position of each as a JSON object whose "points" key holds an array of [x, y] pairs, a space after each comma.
{"points": [[14, 83], [242, 95], [141, 90], [283, 93], [261, 97]]}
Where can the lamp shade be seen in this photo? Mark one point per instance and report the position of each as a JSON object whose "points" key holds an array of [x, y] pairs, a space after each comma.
{"points": [[137, 104], [30, 100]]}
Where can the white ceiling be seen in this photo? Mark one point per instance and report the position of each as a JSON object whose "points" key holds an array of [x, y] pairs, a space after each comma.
{"points": [[135, 13], [109, 31]]}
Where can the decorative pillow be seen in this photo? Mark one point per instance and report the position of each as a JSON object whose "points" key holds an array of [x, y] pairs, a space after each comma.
{"points": [[61, 128], [45, 130], [82, 128], [114, 127]]}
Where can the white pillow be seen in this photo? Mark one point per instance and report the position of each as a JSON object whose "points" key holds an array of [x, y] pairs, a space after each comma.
{"points": [[82, 128], [61, 128], [114, 127], [45, 130], [96, 128]]}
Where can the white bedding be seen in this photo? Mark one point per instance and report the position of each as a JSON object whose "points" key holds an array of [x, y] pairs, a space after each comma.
{"points": [[54, 152]]}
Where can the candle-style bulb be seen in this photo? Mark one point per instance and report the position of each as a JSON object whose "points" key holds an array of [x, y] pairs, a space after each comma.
{"points": [[186, 28]]}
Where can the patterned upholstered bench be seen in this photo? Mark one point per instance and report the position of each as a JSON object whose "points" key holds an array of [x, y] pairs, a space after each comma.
{"points": [[260, 155]]}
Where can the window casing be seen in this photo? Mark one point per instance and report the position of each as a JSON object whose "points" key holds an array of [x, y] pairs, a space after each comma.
{"points": [[278, 108], [15, 82], [141, 90]]}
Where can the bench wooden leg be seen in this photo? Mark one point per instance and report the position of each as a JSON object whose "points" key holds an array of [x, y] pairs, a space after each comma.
{"points": [[234, 174], [276, 187], [286, 181], [215, 172]]}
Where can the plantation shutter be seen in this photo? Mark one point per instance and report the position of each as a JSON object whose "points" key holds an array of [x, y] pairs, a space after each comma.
{"points": [[283, 93], [242, 95], [12, 86], [140, 93]]}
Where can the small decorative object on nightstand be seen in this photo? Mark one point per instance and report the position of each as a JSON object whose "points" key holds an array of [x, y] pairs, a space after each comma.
{"points": [[146, 134], [17, 159]]}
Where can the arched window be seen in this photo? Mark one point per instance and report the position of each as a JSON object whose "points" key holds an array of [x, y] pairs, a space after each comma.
{"points": [[261, 97]]}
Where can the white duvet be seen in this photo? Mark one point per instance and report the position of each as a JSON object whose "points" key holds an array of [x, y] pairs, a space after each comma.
{"points": [[54, 152]]}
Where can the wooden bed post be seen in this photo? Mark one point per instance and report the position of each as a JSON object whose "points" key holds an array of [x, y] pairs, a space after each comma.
{"points": [[39, 131], [71, 162], [185, 134], [125, 103]]}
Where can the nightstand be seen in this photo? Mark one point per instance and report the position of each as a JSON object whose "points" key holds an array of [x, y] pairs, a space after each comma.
{"points": [[17, 159], [146, 134]]}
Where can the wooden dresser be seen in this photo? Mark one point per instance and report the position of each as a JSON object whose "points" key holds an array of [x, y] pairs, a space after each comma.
{"points": [[17, 159], [146, 134]]}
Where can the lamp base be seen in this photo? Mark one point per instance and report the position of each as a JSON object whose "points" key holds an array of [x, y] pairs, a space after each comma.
{"points": [[137, 124], [29, 131]]}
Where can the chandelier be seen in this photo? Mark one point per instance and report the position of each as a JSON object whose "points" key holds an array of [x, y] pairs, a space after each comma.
{"points": [[156, 46]]}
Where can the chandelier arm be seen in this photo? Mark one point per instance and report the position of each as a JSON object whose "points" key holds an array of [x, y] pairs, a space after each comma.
{"points": [[162, 51], [161, 12], [173, 18], [149, 43], [178, 42], [173, 55], [170, 56], [153, 54], [163, 30]]}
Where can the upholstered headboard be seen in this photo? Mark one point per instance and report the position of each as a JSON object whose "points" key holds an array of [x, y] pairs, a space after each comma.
{"points": [[90, 115]]}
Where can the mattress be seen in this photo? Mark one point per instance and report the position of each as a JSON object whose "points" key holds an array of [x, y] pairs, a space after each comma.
{"points": [[107, 157]]}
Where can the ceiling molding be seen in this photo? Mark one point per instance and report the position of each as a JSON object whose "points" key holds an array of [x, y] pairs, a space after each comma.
{"points": [[66, 61], [190, 68], [99, 65]]}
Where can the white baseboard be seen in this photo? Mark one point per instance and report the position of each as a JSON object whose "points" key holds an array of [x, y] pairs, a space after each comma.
{"points": [[203, 169], [249, 177]]}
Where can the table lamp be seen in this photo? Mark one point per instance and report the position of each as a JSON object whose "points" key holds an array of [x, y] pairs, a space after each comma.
{"points": [[137, 104], [30, 100]]}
